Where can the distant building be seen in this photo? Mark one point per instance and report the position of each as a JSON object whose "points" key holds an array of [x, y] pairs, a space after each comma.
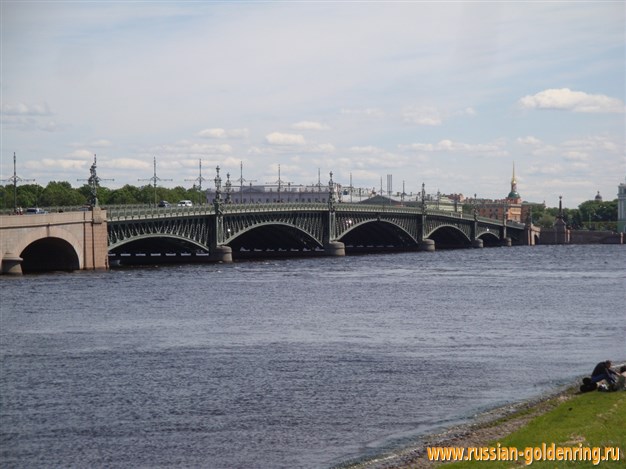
{"points": [[621, 208], [511, 205], [598, 197], [274, 193]]}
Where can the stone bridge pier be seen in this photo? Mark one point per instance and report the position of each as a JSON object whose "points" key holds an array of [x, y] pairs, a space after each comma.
{"points": [[54, 241]]}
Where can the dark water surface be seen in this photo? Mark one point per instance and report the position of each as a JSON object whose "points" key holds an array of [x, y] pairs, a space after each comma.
{"points": [[292, 363]]}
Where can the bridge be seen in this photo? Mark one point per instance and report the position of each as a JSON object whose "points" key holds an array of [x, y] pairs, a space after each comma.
{"points": [[53, 241], [224, 232]]}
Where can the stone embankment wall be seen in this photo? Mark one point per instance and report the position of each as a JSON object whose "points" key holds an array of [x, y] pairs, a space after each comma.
{"points": [[580, 237]]}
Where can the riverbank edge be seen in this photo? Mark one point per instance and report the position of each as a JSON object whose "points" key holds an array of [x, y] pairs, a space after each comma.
{"points": [[485, 427]]}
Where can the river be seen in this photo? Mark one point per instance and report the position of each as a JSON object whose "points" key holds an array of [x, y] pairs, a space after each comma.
{"points": [[303, 363]]}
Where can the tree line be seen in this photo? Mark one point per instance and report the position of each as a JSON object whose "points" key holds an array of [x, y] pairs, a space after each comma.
{"points": [[62, 194], [591, 214]]}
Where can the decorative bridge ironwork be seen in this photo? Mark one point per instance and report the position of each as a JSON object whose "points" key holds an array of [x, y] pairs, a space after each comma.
{"points": [[222, 231]]}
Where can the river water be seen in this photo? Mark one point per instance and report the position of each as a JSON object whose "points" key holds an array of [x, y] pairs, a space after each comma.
{"points": [[304, 363]]}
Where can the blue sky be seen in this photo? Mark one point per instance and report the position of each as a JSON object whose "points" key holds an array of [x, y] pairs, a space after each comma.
{"points": [[450, 94]]}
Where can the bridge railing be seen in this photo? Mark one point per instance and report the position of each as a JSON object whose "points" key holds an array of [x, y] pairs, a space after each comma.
{"points": [[126, 212], [289, 207]]}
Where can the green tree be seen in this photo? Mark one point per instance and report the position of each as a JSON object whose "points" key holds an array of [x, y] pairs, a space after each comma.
{"points": [[28, 195], [146, 195], [61, 194], [598, 215], [103, 195], [546, 220], [126, 195]]}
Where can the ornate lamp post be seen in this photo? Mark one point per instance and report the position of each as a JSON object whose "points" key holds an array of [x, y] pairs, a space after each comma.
{"points": [[331, 193], [219, 252], [228, 186], [15, 179], [154, 179], [475, 208], [217, 201], [425, 243], [199, 179], [94, 182]]}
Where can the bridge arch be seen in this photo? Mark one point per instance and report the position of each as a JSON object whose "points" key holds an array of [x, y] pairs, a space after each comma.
{"points": [[50, 248], [490, 239], [272, 236], [49, 253], [449, 237], [157, 242], [377, 233]]}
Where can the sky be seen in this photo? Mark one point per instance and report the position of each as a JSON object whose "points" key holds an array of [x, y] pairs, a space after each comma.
{"points": [[449, 94]]}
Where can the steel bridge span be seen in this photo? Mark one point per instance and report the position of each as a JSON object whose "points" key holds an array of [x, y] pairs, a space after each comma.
{"points": [[223, 232]]}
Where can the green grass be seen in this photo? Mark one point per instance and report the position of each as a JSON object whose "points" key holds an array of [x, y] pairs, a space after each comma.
{"points": [[595, 419]]}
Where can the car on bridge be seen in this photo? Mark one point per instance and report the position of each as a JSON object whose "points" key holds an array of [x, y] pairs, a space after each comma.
{"points": [[163, 203], [34, 211], [185, 203]]}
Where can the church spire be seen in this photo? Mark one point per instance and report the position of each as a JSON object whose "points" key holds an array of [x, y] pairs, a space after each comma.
{"points": [[513, 194]]}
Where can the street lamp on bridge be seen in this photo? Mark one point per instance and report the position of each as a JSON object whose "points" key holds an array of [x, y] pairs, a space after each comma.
{"points": [[94, 182], [154, 180], [199, 179], [15, 179]]}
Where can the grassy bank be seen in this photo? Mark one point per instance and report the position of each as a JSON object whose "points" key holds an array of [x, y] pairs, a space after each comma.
{"points": [[595, 419]]}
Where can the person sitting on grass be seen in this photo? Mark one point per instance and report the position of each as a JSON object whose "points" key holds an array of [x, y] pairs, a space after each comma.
{"points": [[603, 371]]}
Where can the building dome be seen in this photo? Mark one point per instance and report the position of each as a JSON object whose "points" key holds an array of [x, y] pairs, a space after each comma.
{"points": [[513, 195], [598, 197]]}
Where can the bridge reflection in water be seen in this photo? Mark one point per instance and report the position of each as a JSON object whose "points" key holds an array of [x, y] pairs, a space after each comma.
{"points": [[223, 232]]}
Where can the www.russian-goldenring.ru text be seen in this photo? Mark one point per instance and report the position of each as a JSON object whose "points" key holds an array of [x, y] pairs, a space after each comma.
{"points": [[530, 454]]}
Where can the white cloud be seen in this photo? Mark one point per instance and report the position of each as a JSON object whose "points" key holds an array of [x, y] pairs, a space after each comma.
{"points": [[222, 133], [594, 143], [575, 101], [186, 148], [424, 115], [21, 109], [367, 150], [545, 150], [323, 148], [367, 157], [81, 154], [56, 164], [277, 138], [126, 163], [26, 123], [28, 117], [529, 140], [468, 111], [496, 148], [309, 125], [576, 156], [238, 133], [100, 143], [212, 133], [544, 169], [367, 112], [430, 115]]}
